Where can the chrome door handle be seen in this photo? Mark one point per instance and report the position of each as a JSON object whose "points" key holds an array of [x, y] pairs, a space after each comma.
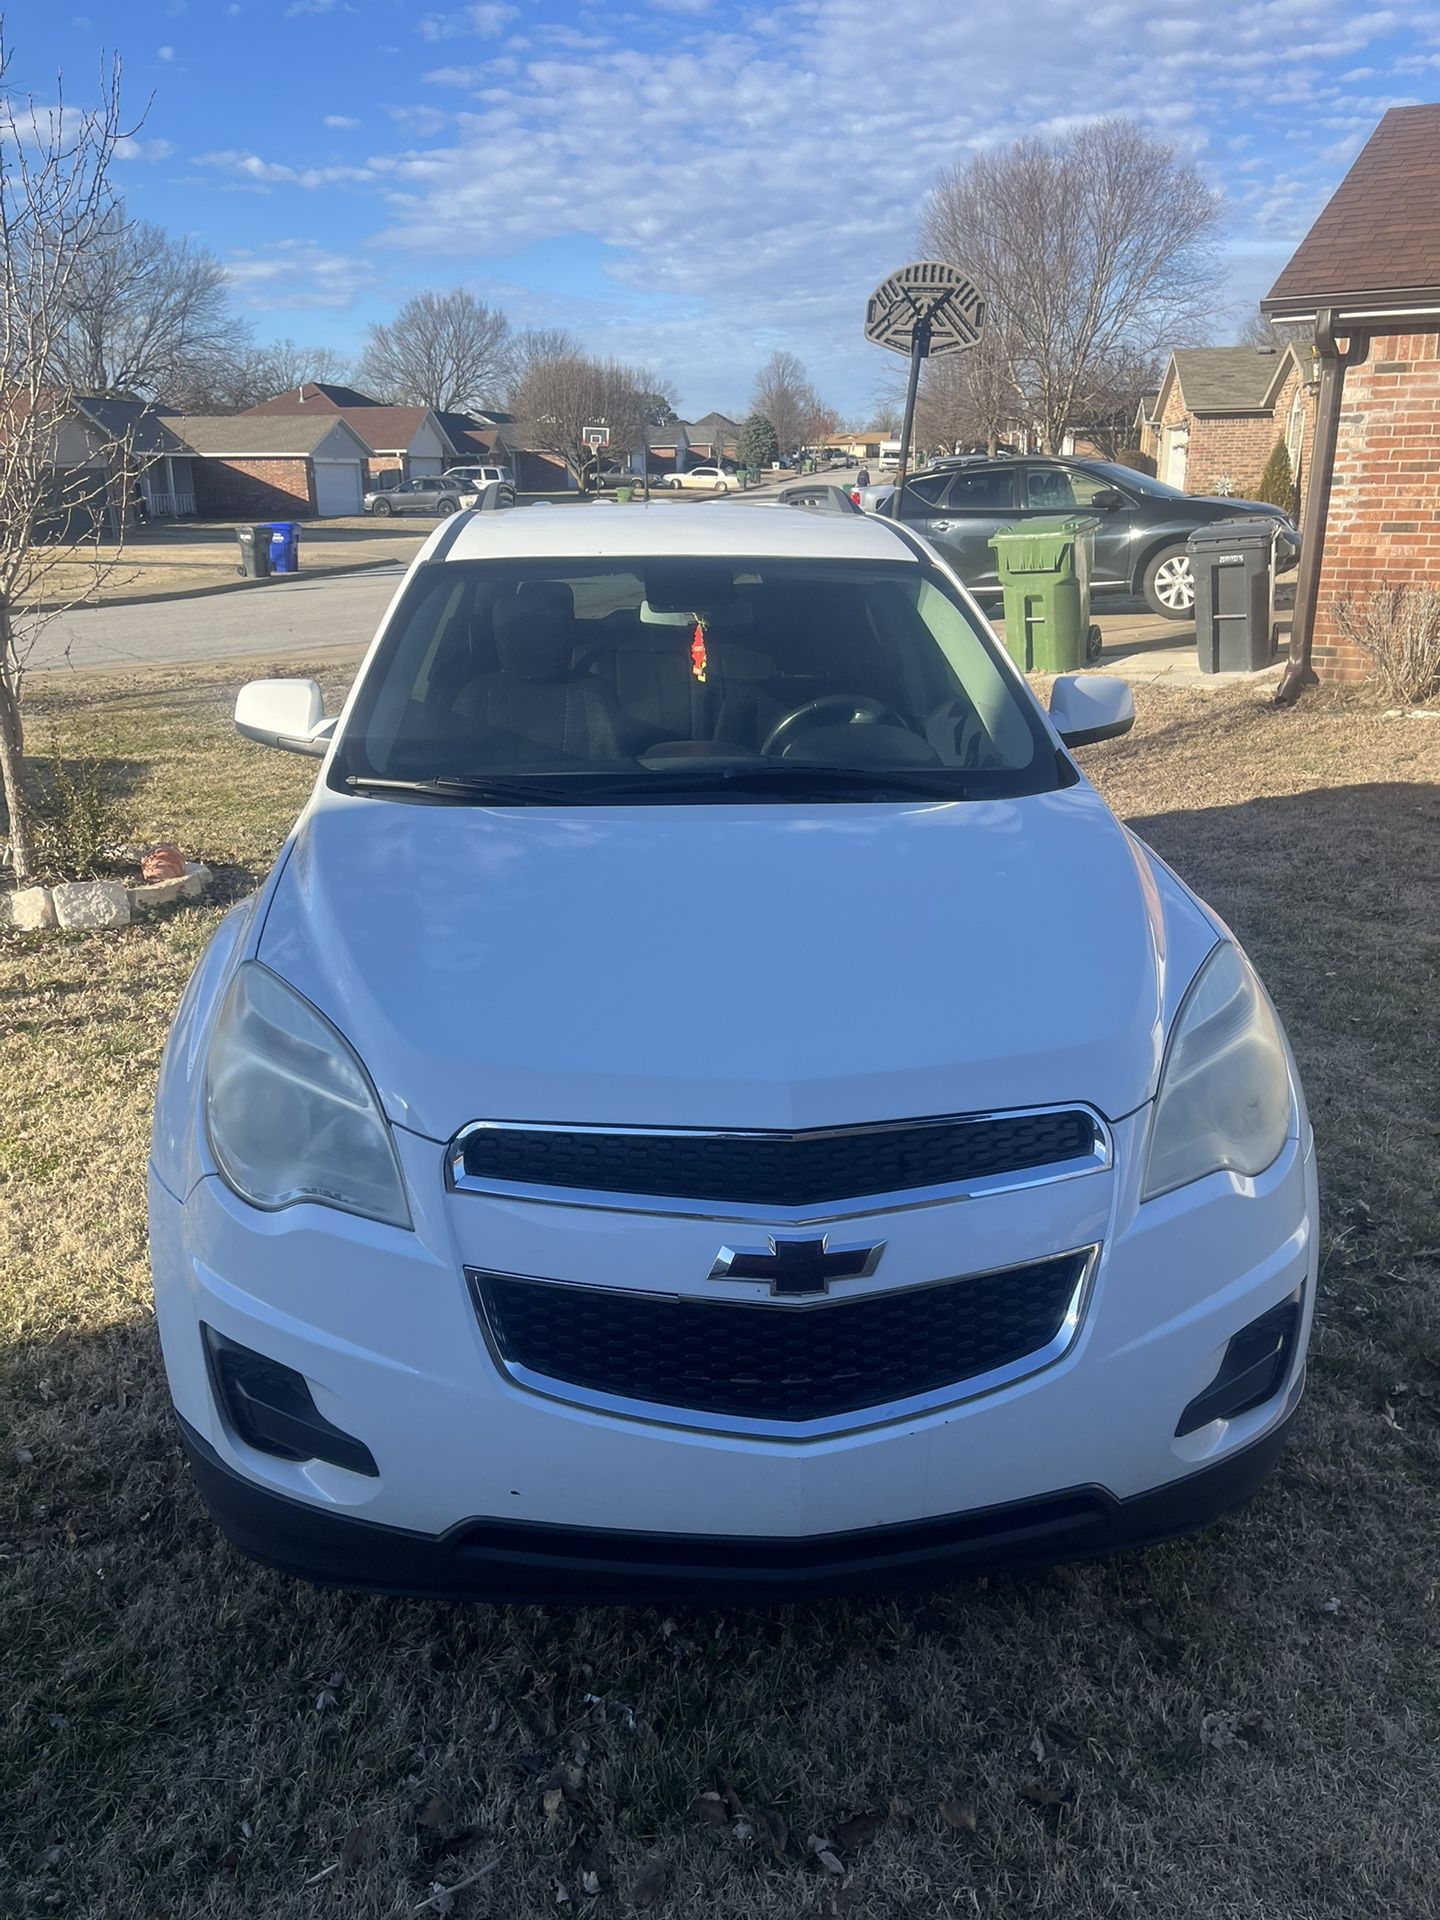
{"points": [[940, 526]]}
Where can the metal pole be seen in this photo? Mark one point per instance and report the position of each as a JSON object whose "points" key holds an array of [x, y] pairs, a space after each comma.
{"points": [[919, 348], [1298, 672]]}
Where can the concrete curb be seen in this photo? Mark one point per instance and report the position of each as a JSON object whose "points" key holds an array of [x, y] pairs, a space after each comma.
{"points": [[221, 586]]}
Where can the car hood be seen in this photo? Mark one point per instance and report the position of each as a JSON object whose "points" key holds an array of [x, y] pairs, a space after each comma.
{"points": [[728, 965]]}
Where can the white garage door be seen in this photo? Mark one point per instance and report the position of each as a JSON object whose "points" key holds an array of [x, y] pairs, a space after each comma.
{"points": [[422, 463], [337, 488]]}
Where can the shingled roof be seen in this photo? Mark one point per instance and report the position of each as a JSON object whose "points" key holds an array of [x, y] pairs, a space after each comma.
{"points": [[242, 435], [1379, 233], [1225, 379]]}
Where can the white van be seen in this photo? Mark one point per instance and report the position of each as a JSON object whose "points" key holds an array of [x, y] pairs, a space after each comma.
{"points": [[889, 460]]}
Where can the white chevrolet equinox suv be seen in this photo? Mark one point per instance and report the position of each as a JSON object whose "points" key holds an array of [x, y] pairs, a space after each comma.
{"points": [[711, 1101]]}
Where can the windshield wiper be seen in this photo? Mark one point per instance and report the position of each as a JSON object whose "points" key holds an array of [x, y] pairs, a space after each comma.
{"points": [[779, 780], [464, 789]]}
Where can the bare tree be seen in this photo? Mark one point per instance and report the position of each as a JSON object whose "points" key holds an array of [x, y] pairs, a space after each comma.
{"points": [[55, 204], [230, 383], [1089, 248], [561, 397], [533, 347], [139, 307], [783, 396], [1258, 332], [443, 350]]}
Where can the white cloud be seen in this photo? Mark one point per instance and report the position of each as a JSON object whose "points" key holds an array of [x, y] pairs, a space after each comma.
{"points": [[454, 76], [297, 8], [298, 275], [485, 20], [342, 122], [251, 170], [165, 53], [128, 147]]}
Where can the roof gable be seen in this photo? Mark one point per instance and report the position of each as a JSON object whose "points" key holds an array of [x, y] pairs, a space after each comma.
{"points": [[1379, 232], [1221, 379]]}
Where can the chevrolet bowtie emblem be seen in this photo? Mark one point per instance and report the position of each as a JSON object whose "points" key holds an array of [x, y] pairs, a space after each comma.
{"points": [[797, 1266]]}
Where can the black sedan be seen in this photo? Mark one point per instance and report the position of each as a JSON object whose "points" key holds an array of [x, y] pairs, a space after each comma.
{"points": [[1139, 543]]}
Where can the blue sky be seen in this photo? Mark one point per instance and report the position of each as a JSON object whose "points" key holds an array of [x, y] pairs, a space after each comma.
{"points": [[689, 183]]}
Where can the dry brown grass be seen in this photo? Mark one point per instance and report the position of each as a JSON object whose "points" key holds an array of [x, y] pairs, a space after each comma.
{"points": [[187, 1735]]}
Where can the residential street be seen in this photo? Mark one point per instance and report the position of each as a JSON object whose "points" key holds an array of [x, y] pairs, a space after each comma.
{"points": [[285, 616]]}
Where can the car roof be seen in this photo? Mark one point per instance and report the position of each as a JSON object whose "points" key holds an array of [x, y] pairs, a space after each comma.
{"points": [[604, 530]]}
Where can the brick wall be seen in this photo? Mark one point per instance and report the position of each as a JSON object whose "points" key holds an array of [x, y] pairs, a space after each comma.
{"points": [[234, 489], [1228, 449], [1384, 522]]}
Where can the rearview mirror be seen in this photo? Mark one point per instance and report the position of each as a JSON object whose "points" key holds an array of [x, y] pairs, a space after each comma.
{"points": [[289, 714], [1088, 707]]}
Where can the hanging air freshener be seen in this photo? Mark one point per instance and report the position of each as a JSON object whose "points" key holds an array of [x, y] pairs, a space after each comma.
{"points": [[697, 652]]}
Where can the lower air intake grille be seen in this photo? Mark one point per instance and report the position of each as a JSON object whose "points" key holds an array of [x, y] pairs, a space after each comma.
{"points": [[771, 1362], [779, 1169]]}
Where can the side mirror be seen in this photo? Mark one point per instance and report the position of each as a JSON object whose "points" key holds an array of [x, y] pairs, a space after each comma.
{"points": [[1090, 707], [289, 714], [1109, 499]]}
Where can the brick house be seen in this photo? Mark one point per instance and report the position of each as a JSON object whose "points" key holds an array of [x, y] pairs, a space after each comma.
{"points": [[284, 467], [1219, 412], [400, 441], [1367, 277]]}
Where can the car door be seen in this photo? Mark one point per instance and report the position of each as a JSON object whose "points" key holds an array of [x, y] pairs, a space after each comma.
{"points": [[959, 512], [1050, 488]]}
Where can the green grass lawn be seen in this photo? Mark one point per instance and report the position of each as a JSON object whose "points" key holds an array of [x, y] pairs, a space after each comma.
{"points": [[1245, 1723]]}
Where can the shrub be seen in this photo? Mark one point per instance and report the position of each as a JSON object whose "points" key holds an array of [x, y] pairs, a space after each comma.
{"points": [[1277, 482], [759, 443], [1398, 629], [77, 826]]}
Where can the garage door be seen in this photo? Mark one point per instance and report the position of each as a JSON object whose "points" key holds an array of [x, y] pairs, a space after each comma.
{"points": [[419, 463], [337, 488]]}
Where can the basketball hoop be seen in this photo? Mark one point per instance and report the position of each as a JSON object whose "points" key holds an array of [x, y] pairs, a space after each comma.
{"points": [[597, 437]]}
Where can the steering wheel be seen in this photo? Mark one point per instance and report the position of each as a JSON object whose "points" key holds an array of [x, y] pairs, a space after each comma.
{"points": [[841, 707]]}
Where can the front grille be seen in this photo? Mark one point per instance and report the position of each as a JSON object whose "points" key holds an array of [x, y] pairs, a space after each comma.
{"points": [[778, 1169], [771, 1362]]}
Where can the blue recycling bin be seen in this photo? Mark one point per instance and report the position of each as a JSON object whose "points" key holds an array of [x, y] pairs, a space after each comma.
{"points": [[284, 546]]}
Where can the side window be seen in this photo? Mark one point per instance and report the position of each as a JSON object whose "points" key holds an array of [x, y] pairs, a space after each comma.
{"points": [[930, 487], [1048, 488], [1085, 486], [981, 490]]}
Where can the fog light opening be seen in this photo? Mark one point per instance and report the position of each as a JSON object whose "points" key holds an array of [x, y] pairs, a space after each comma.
{"points": [[1254, 1369], [270, 1407]]}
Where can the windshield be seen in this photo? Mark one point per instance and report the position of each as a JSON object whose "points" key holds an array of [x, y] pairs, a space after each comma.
{"points": [[588, 680], [1135, 481]]}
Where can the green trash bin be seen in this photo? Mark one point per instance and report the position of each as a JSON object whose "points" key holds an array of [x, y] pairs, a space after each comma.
{"points": [[624, 495], [1044, 569]]}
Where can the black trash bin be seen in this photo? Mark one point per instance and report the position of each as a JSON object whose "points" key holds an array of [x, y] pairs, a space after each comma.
{"points": [[254, 544], [1233, 566]]}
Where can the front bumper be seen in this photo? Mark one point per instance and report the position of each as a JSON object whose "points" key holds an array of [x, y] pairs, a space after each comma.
{"points": [[479, 1473], [536, 1564]]}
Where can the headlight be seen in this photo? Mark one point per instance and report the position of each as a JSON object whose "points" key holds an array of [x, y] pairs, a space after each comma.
{"points": [[291, 1112], [1224, 1099]]}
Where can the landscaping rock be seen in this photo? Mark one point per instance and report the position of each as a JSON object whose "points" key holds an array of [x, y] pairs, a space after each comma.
{"points": [[31, 909], [98, 904], [197, 879], [157, 893]]}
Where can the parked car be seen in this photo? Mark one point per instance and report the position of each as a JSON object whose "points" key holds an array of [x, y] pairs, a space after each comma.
{"points": [[1140, 542], [708, 479], [426, 493], [476, 477], [914, 1176]]}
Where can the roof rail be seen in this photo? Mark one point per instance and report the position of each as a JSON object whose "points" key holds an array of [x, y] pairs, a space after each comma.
{"points": [[494, 495]]}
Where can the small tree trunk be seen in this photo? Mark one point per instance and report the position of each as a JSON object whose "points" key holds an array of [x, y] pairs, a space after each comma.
{"points": [[12, 767]]}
